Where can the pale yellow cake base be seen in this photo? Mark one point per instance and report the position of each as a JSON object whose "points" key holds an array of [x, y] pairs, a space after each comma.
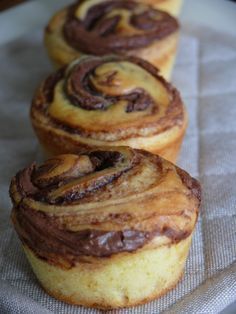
{"points": [[161, 53], [125, 279]]}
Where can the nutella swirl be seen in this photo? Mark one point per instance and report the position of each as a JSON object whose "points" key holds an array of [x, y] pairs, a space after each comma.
{"points": [[102, 203], [66, 179], [84, 87], [109, 98], [101, 27]]}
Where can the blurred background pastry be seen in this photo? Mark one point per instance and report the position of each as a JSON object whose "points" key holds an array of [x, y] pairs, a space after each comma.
{"points": [[106, 101], [100, 27]]}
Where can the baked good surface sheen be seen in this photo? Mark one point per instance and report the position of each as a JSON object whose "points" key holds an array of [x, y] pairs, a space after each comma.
{"points": [[99, 101], [100, 27], [91, 223]]}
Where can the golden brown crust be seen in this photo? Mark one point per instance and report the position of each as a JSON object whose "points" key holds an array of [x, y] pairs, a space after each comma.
{"points": [[54, 144], [108, 101], [155, 43], [171, 150], [104, 27]]}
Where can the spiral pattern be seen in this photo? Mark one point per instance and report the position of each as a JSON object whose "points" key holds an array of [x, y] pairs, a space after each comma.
{"points": [[61, 179], [109, 98], [101, 27], [101, 203]]}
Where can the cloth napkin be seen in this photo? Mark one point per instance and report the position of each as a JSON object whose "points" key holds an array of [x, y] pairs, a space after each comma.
{"points": [[205, 73]]}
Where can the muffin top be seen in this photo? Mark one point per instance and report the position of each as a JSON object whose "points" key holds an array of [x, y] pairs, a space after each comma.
{"points": [[108, 98], [101, 203], [101, 27]]}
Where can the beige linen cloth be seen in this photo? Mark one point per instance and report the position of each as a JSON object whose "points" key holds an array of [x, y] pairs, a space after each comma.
{"points": [[205, 73]]}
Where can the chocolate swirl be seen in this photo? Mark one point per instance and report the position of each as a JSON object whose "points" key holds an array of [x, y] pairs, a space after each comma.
{"points": [[101, 203], [109, 98], [84, 86], [112, 26], [60, 179]]}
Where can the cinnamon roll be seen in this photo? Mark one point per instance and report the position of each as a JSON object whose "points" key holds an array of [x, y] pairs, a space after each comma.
{"points": [[107, 101], [107, 228], [101, 27], [173, 7]]}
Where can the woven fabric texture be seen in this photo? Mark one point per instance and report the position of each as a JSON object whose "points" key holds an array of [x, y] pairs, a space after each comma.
{"points": [[205, 73]]}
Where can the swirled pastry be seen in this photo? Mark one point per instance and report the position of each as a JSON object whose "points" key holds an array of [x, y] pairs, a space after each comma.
{"points": [[171, 6], [107, 228], [99, 101], [100, 27]]}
